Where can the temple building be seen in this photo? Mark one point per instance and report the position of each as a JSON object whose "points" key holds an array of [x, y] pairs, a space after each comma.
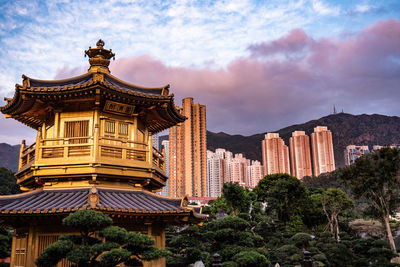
{"points": [[94, 151]]}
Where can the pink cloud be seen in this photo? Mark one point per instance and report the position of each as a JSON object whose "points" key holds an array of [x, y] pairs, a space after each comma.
{"points": [[258, 93], [294, 42]]}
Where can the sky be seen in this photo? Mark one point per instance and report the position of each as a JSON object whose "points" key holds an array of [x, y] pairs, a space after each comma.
{"points": [[258, 66]]}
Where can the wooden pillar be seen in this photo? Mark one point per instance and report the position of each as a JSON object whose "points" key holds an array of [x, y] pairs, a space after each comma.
{"points": [[135, 130], [96, 136], [31, 246], [38, 145], [13, 246], [21, 152], [56, 132], [150, 147]]}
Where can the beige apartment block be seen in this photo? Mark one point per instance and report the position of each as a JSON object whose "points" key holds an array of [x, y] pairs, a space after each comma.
{"points": [[188, 160], [275, 154], [238, 169], [255, 173], [300, 154], [322, 150]]}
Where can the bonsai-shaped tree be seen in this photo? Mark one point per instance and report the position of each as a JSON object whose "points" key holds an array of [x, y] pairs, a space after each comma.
{"points": [[99, 244]]}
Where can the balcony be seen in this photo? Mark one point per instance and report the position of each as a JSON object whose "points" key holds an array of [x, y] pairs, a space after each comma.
{"points": [[87, 155], [27, 157]]}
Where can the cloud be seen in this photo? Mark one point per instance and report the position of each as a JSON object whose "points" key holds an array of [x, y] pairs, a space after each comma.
{"points": [[182, 33], [362, 8], [256, 64], [322, 8], [293, 43], [262, 92]]}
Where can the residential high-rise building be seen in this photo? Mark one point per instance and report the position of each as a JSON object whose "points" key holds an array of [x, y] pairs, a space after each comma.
{"points": [[165, 144], [300, 156], [352, 152], [322, 150], [254, 173], [223, 167], [216, 173], [275, 154], [238, 169], [188, 162]]}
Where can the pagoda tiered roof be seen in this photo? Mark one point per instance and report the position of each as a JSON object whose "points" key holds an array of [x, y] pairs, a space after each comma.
{"points": [[34, 98], [88, 79], [116, 201]]}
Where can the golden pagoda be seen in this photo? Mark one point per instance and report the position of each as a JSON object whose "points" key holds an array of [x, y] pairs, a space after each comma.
{"points": [[93, 150]]}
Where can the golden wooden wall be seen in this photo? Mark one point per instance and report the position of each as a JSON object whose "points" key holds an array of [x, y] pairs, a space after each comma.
{"points": [[28, 245]]}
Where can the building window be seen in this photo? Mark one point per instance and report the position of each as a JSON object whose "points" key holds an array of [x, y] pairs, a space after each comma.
{"points": [[109, 128], [73, 129], [123, 129]]}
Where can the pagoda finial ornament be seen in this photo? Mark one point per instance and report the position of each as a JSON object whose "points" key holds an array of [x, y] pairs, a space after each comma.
{"points": [[99, 58]]}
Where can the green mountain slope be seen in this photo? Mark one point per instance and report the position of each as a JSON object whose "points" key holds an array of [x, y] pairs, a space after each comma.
{"points": [[9, 156]]}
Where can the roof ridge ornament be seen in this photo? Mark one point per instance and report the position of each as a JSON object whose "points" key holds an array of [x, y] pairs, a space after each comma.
{"points": [[93, 198], [99, 57]]}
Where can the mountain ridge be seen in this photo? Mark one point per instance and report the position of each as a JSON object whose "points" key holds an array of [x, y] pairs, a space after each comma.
{"points": [[347, 129]]}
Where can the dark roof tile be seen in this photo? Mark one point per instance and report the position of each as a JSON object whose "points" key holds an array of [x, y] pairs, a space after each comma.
{"points": [[44, 201]]}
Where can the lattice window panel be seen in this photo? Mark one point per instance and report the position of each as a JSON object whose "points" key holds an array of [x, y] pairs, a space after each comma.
{"points": [[77, 129], [123, 129], [109, 128]]}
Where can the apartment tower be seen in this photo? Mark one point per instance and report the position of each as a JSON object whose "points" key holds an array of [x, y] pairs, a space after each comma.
{"points": [[216, 173], [300, 155], [275, 154], [238, 169], [254, 173], [187, 151], [322, 150], [353, 152]]}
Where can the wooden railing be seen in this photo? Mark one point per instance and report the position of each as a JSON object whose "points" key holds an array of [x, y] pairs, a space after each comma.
{"points": [[67, 149], [158, 159], [28, 156], [122, 149]]}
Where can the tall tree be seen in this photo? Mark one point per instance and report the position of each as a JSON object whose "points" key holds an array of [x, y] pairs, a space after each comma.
{"points": [[236, 197], [334, 201], [8, 182], [283, 194], [376, 177]]}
